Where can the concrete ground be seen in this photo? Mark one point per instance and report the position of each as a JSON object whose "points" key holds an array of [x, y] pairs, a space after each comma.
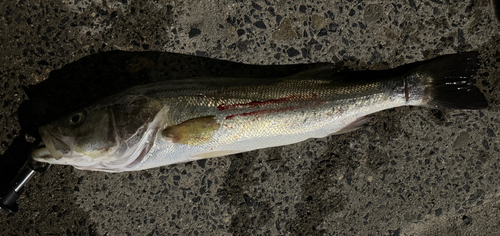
{"points": [[410, 171]]}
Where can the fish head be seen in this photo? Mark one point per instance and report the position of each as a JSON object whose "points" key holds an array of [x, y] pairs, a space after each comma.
{"points": [[83, 133], [111, 136]]}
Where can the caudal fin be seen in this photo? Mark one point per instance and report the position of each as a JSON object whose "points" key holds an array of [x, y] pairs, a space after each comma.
{"points": [[451, 84]]}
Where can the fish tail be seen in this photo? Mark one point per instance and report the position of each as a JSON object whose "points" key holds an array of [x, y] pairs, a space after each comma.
{"points": [[450, 84]]}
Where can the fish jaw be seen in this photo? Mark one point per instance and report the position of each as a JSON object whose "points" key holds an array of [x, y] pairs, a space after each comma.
{"points": [[58, 149], [54, 145]]}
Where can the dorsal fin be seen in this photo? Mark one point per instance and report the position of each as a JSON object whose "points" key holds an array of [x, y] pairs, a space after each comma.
{"points": [[322, 72]]}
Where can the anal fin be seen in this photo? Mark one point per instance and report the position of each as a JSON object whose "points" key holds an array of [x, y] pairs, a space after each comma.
{"points": [[356, 124]]}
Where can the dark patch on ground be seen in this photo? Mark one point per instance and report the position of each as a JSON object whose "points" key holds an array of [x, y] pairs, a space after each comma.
{"points": [[251, 213], [438, 116], [48, 194], [496, 5], [387, 125], [276, 162], [376, 158], [318, 200], [490, 60]]}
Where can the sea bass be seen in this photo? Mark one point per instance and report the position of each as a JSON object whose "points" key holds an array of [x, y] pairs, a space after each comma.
{"points": [[185, 120]]}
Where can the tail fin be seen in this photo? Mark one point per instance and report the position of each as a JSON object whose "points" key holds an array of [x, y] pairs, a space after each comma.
{"points": [[451, 84]]}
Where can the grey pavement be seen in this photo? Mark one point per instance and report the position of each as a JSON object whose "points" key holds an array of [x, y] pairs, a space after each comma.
{"points": [[410, 171]]}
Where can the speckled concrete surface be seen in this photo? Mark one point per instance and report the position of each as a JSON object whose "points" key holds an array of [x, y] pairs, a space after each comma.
{"points": [[411, 171]]}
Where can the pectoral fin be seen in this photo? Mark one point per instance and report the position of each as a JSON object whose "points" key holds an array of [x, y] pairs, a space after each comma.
{"points": [[193, 131]]}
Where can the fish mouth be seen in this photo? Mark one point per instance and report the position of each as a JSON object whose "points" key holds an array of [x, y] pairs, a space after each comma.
{"points": [[41, 154], [56, 146]]}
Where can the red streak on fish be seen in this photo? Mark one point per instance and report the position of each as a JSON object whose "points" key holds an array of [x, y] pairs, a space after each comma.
{"points": [[251, 104]]}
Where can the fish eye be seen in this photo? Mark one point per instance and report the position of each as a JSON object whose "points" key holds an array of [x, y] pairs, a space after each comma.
{"points": [[76, 118]]}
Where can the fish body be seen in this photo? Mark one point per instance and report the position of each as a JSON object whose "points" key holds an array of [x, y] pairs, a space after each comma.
{"points": [[179, 121]]}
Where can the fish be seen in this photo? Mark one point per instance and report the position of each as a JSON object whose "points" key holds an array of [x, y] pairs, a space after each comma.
{"points": [[178, 121]]}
